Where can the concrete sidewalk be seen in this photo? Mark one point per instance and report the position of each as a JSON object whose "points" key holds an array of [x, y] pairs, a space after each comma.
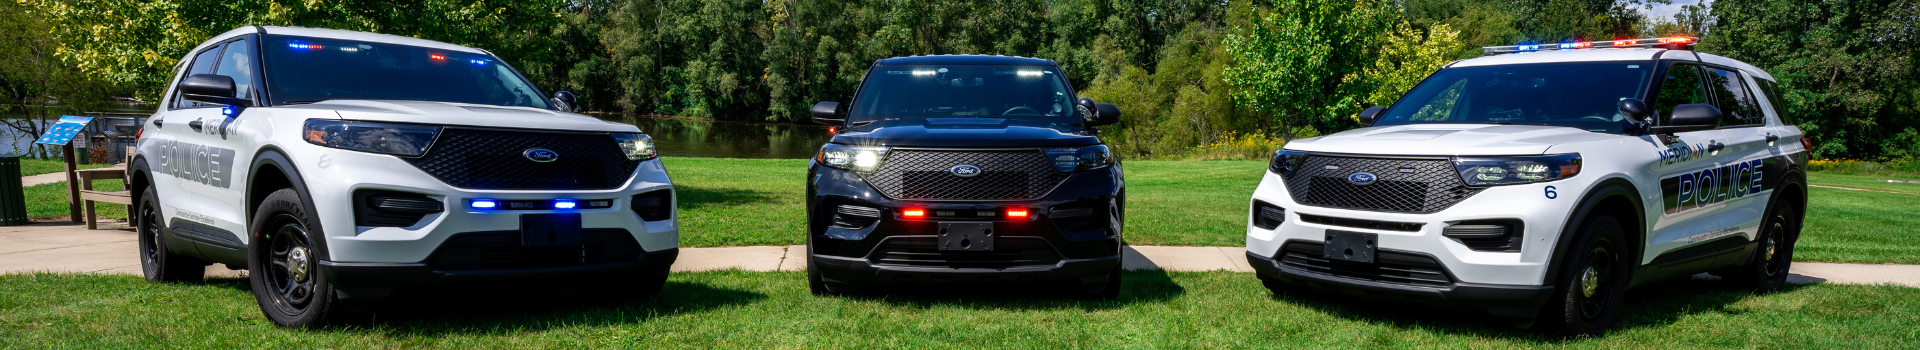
{"points": [[65, 247]]}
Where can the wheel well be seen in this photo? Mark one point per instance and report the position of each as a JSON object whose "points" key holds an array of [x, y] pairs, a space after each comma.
{"points": [[1616, 197], [137, 180], [266, 180], [1623, 209]]}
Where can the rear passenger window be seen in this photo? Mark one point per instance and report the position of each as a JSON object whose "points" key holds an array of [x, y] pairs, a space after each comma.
{"points": [[1680, 86], [202, 64], [1774, 100], [1735, 100]]}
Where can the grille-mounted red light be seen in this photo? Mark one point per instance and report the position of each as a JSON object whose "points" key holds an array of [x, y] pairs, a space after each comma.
{"points": [[1017, 212], [914, 212]]}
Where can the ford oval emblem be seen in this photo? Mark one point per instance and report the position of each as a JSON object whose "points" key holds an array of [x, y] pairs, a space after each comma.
{"points": [[541, 155], [1362, 178], [964, 170]]}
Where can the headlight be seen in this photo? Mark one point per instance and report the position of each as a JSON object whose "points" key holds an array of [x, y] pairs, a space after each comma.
{"points": [[406, 140], [1492, 171], [1285, 162], [1071, 159], [636, 146], [857, 158]]}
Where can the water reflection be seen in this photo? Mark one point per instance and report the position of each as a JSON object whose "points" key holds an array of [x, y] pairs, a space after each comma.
{"points": [[687, 138]]}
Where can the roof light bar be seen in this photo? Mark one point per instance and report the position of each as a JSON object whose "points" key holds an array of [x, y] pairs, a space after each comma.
{"points": [[1676, 42]]}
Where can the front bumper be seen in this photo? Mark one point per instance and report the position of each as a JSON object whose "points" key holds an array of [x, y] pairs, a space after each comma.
{"points": [[377, 281], [334, 175], [895, 249], [1492, 299]]}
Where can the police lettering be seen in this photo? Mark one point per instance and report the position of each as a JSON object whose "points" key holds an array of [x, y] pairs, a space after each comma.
{"points": [[1712, 185], [212, 166]]}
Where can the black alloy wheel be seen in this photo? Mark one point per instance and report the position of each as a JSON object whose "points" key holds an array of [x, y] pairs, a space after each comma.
{"points": [[157, 261], [1591, 284], [285, 278]]}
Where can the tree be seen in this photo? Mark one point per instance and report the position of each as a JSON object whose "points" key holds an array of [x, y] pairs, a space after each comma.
{"points": [[35, 83], [1298, 62]]}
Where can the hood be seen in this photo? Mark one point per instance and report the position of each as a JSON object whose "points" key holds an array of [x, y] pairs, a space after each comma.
{"points": [[965, 132], [461, 114], [1447, 140]]}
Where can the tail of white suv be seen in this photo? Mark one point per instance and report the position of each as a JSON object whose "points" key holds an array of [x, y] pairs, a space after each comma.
{"points": [[340, 167], [1542, 182]]}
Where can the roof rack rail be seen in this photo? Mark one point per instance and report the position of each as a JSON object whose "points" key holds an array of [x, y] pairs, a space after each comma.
{"points": [[1671, 42]]}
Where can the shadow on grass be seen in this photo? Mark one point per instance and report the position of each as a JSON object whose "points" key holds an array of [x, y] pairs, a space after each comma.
{"points": [[505, 309], [1648, 306], [700, 197], [1143, 286]]}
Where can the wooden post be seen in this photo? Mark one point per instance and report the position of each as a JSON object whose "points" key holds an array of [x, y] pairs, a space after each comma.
{"points": [[73, 184]]}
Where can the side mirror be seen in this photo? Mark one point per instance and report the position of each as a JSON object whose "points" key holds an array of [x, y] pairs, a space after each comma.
{"points": [[1097, 114], [827, 113], [211, 88], [1690, 117], [563, 101], [1371, 114]]}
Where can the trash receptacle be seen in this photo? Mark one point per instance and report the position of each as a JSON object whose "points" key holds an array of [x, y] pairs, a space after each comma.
{"points": [[13, 198]]}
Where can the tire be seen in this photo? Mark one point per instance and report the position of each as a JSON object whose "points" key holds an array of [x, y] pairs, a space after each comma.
{"points": [[1592, 281], [814, 284], [1767, 271], [286, 284], [1112, 290], [157, 260], [1273, 285]]}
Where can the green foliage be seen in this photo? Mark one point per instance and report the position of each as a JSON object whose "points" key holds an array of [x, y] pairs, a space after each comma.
{"points": [[1316, 63]]}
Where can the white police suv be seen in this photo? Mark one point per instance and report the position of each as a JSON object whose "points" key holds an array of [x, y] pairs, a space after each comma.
{"points": [[1540, 183], [340, 167]]}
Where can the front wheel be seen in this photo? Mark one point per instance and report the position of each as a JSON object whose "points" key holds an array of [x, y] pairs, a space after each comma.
{"points": [[1592, 281], [285, 279]]}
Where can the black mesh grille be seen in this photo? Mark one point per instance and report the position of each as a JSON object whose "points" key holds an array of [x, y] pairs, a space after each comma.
{"points": [[1005, 175], [1388, 266], [1402, 185], [503, 250], [493, 159], [924, 251]]}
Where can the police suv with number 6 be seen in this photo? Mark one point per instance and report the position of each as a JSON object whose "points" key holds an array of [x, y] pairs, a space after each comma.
{"points": [[1540, 182], [342, 167]]}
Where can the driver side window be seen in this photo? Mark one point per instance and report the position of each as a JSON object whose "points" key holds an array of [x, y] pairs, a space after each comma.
{"points": [[1680, 86], [202, 64]]}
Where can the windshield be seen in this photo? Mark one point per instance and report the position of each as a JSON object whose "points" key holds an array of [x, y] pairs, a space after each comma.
{"points": [[302, 70], [964, 91], [1578, 95]]}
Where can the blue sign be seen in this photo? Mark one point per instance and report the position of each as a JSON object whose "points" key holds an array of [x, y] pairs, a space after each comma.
{"points": [[63, 132]]}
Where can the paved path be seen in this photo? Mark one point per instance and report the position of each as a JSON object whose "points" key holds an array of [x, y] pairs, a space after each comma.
{"points": [[42, 179], [63, 247]]}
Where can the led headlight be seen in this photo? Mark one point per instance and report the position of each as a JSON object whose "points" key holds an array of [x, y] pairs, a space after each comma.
{"points": [[1492, 171], [1071, 159], [407, 140], [1285, 162], [636, 146], [857, 158]]}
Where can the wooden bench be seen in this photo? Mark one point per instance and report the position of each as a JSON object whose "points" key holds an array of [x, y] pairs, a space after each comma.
{"points": [[88, 195]]}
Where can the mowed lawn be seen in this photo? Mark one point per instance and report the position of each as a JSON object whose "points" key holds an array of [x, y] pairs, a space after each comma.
{"points": [[731, 309]]}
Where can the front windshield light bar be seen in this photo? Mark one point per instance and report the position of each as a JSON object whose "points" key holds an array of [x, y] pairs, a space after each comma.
{"points": [[1672, 42]]}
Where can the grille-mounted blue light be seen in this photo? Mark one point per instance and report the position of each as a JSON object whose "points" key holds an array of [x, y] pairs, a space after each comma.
{"points": [[484, 204], [564, 204]]}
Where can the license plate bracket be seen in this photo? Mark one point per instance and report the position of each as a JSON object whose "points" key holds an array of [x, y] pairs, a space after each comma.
{"points": [[549, 229], [966, 236], [1351, 246]]}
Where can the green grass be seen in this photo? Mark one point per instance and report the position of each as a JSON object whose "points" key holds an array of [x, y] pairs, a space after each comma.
{"points": [[1871, 182], [1198, 203], [30, 167], [731, 309], [1860, 227], [49, 201]]}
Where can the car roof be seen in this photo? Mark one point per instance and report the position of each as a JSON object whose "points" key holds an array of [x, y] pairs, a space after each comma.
{"points": [[1605, 55], [365, 36], [965, 60]]}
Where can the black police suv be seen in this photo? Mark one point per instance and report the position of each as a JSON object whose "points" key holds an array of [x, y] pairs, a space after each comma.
{"points": [[964, 170]]}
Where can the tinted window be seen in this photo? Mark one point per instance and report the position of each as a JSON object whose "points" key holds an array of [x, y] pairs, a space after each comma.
{"points": [[313, 69], [1731, 95], [964, 91], [1578, 95], [1774, 100], [1680, 86], [237, 63], [202, 64]]}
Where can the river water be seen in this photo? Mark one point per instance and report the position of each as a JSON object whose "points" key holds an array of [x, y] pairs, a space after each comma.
{"points": [[674, 137]]}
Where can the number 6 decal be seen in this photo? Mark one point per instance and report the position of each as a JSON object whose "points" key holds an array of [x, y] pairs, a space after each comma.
{"points": [[1551, 194]]}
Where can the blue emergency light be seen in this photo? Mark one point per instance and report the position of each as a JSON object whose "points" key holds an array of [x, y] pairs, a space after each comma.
{"points": [[1674, 42]]}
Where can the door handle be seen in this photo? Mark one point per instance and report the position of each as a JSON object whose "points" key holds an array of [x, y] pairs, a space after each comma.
{"points": [[195, 124], [1713, 147], [1771, 138]]}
